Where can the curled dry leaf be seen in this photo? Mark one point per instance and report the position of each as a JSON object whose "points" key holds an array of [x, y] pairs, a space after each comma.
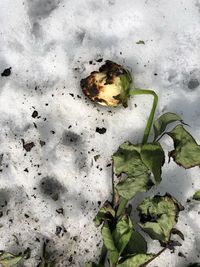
{"points": [[186, 151], [158, 215], [163, 121]]}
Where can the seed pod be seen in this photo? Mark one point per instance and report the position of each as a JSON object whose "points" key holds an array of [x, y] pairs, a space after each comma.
{"points": [[109, 86]]}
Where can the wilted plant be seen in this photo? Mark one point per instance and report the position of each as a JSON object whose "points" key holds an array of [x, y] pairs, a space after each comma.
{"points": [[138, 167]]}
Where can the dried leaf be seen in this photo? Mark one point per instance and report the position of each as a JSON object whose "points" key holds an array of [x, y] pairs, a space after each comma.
{"points": [[132, 185], [162, 122], [8, 259], [154, 157], [158, 215], [187, 151], [136, 260], [106, 212], [127, 160]]}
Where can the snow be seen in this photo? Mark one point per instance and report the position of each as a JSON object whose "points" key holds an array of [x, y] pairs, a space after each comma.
{"points": [[49, 45]]}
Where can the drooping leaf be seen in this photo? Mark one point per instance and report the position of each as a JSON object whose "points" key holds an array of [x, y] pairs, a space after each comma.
{"points": [[196, 195], [106, 212], [8, 259], [109, 243], [132, 185], [136, 245], [162, 122], [158, 215], [136, 260], [153, 156], [122, 233], [127, 160], [187, 151]]}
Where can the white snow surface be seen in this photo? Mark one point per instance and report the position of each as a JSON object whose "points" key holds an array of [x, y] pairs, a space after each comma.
{"points": [[49, 45]]}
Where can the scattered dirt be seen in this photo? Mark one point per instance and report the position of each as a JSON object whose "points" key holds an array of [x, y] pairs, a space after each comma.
{"points": [[6, 72], [101, 130], [27, 146]]}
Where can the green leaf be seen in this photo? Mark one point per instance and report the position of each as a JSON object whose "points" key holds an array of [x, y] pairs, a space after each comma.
{"points": [[136, 245], [153, 156], [127, 160], [106, 212], [140, 42], [158, 215], [132, 185], [162, 122], [109, 243], [187, 151], [8, 259], [122, 233], [136, 260], [196, 195]]}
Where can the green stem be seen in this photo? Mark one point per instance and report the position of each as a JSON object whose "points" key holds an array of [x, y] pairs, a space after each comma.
{"points": [[138, 91], [103, 255], [122, 207], [123, 201], [113, 184]]}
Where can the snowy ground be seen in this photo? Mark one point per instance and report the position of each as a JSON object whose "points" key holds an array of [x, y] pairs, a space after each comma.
{"points": [[52, 192]]}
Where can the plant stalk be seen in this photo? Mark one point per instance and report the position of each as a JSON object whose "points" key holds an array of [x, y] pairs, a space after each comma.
{"points": [[113, 184], [147, 130], [103, 256], [122, 207], [123, 201]]}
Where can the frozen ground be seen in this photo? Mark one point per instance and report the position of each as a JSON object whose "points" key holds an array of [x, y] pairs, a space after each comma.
{"points": [[52, 192]]}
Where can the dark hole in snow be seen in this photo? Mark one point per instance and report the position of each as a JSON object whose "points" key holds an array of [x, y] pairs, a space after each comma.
{"points": [[4, 198], [1, 159], [69, 137], [193, 83], [51, 187], [42, 143]]}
